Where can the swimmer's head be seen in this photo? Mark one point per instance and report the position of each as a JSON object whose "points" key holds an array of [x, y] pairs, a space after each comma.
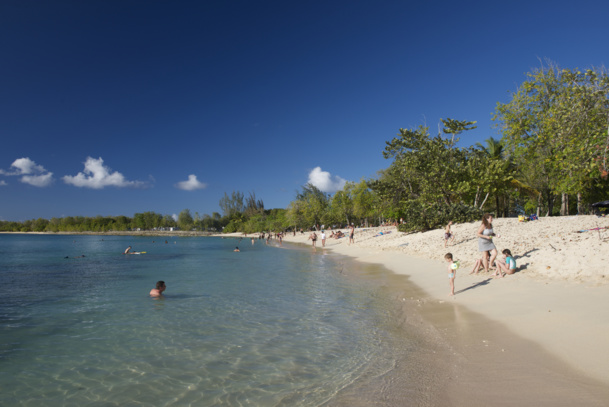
{"points": [[448, 256]]}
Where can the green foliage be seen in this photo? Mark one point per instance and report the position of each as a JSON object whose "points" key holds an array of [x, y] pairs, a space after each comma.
{"points": [[310, 208], [185, 220], [232, 204], [420, 217], [555, 129], [253, 206]]}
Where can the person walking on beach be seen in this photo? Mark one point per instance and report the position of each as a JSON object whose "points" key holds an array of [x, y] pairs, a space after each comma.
{"points": [[323, 238], [158, 291], [485, 241], [452, 272], [448, 235], [351, 234]]}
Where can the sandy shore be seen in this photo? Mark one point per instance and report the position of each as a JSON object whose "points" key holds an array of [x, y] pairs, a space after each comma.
{"points": [[557, 300]]}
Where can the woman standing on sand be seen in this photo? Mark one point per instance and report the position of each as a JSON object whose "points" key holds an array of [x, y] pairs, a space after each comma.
{"points": [[485, 241]]}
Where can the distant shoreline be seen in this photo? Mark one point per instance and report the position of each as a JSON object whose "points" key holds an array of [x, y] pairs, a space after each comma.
{"points": [[123, 233]]}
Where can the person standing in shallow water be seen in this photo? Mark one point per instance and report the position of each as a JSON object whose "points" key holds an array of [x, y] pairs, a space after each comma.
{"points": [[313, 238], [158, 291]]}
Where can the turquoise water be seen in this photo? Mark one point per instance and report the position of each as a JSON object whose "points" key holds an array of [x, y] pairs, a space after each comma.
{"points": [[264, 327]]}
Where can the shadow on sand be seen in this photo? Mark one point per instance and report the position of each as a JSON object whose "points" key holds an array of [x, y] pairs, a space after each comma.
{"points": [[478, 284]]}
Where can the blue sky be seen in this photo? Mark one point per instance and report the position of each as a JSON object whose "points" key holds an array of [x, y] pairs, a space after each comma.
{"points": [[117, 107]]}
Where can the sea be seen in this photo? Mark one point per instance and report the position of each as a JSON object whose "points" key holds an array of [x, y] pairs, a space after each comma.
{"points": [[266, 326]]}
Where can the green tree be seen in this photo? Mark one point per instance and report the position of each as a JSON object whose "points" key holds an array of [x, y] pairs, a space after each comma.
{"points": [[313, 205], [495, 172], [252, 205], [232, 204], [341, 206], [185, 220], [555, 126]]}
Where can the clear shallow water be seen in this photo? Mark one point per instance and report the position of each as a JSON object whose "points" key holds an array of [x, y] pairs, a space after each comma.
{"points": [[264, 327]]}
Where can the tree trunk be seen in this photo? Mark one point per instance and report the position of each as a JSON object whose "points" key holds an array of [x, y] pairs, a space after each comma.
{"points": [[539, 205], [497, 211], [483, 202], [476, 197], [564, 205], [550, 203], [580, 208]]}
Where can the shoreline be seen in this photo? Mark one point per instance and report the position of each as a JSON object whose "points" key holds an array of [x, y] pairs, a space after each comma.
{"points": [[181, 233], [500, 335], [563, 313]]}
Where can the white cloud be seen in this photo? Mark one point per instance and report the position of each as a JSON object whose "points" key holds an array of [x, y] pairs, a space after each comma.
{"points": [[38, 180], [191, 185], [31, 172], [175, 217], [324, 181], [97, 176], [23, 166], [3, 183]]}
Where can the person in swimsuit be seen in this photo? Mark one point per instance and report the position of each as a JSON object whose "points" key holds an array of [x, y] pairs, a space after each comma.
{"points": [[158, 291], [448, 235], [508, 265], [351, 233], [313, 238], [452, 272], [485, 241]]}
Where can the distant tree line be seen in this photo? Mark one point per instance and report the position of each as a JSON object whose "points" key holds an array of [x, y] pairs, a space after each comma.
{"points": [[552, 159]]}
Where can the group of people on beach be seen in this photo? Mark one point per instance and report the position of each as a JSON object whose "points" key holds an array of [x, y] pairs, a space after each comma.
{"points": [[337, 235], [488, 261]]}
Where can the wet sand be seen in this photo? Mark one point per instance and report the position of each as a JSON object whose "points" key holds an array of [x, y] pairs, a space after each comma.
{"points": [[457, 357]]}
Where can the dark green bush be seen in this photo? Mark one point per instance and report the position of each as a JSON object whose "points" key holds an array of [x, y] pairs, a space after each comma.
{"points": [[421, 217]]}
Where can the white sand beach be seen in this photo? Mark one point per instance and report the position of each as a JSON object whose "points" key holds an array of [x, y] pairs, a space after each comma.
{"points": [[557, 299]]}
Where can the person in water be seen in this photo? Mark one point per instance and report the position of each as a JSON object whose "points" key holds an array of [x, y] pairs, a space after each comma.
{"points": [[158, 291], [237, 249], [128, 250]]}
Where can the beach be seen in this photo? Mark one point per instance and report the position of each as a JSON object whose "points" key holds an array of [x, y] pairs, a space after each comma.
{"points": [[546, 324], [536, 337]]}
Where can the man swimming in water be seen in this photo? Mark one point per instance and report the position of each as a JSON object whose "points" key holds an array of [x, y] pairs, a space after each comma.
{"points": [[158, 291]]}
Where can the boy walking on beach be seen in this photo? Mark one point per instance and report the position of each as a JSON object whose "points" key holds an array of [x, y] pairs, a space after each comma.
{"points": [[452, 272], [448, 234]]}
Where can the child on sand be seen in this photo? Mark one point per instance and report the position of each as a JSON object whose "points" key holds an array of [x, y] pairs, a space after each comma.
{"points": [[448, 235], [480, 263], [508, 265], [452, 272]]}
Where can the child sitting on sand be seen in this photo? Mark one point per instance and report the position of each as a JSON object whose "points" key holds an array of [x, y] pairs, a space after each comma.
{"points": [[508, 265], [452, 272], [480, 263]]}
